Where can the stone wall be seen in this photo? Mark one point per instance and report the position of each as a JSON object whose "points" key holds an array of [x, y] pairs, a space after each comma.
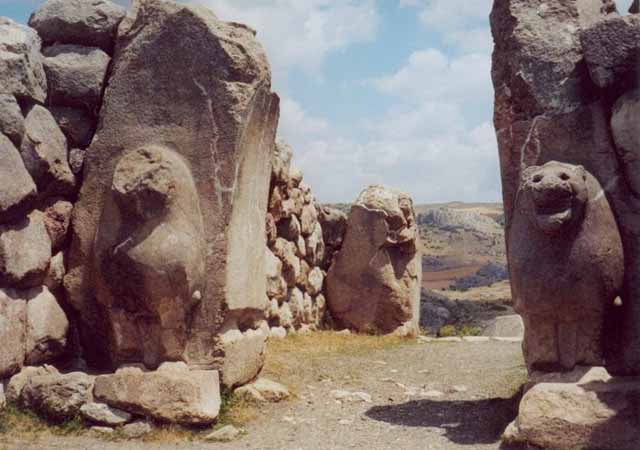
{"points": [[302, 237]]}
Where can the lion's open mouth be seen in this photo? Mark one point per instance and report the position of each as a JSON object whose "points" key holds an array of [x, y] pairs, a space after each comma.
{"points": [[550, 217]]}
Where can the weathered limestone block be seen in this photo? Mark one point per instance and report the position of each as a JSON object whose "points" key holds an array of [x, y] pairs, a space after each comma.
{"points": [[173, 393], [272, 229], [566, 265], [75, 75], [16, 197], [296, 304], [583, 409], [245, 353], [82, 22], [285, 316], [303, 278], [25, 252], [11, 119], [21, 72], [301, 248], [289, 228], [315, 281], [45, 155], [286, 251], [308, 219], [315, 246], [281, 162], [47, 327], [58, 396], [374, 284], [20, 379], [13, 330], [276, 285], [219, 118]]}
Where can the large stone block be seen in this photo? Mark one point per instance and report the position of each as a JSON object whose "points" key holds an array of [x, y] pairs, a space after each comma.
{"points": [[15, 197], [47, 327], [21, 72], [173, 393], [13, 332], [11, 119], [57, 396], [374, 284], [75, 75], [203, 99], [25, 252], [82, 22]]}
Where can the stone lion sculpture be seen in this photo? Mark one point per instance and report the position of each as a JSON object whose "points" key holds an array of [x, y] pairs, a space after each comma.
{"points": [[150, 250], [566, 265]]}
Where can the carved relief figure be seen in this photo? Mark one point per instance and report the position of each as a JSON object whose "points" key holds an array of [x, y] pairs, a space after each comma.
{"points": [[566, 263], [150, 253]]}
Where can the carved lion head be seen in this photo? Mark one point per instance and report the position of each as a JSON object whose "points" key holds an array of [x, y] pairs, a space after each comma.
{"points": [[556, 194]]}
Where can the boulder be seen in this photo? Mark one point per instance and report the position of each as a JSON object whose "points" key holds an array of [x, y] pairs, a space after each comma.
{"points": [[76, 124], [76, 160], [16, 197], [82, 22], [374, 284], [510, 326], [315, 281], [223, 179], [276, 285], [281, 162], [315, 246], [47, 327], [137, 429], [58, 396], [289, 228], [285, 316], [579, 410], [75, 75], [171, 394], [44, 151], [272, 229], [13, 325], [245, 355], [102, 414], [296, 303], [286, 251], [264, 390], [11, 119], [21, 71], [308, 219], [20, 379], [25, 252], [57, 217]]}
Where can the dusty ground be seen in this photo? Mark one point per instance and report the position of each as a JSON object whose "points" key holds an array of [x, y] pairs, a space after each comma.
{"points": [[428, 396]]}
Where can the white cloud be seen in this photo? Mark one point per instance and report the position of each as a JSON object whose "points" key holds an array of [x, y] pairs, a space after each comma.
{"points": [[300, 34]]}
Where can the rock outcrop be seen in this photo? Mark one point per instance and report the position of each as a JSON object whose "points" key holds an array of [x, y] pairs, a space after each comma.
{"points": [[374, 283]]}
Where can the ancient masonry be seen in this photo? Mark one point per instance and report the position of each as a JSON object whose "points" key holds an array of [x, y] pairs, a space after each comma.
{"points": [[152, 229], [566, 115]]}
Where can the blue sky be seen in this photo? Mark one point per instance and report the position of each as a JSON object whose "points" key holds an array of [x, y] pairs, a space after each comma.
{"points": [[376, 91]]}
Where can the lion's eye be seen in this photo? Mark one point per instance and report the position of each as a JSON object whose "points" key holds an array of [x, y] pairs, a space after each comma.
{"points": [[537, 178], [565, 177]]}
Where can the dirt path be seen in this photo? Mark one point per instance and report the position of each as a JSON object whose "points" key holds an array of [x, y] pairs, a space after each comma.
{"points": [[435, 396]]}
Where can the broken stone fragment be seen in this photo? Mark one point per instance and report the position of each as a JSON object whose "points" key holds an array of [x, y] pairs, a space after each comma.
{"points": [[25, 252], [245, 354], [17, 196], [21, 71], [102, 414], [82, 22], [57, 217], [75, 75]]}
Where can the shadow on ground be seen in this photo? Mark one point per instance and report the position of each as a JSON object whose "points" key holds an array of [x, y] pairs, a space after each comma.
{"points": [[465, 422]]}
